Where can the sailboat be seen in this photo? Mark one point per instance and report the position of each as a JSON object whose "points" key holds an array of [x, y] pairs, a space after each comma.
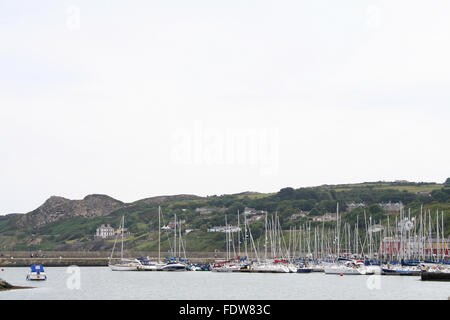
{"points": [[273, 237], [235, 264], [352, 267], [147, 264], [123, 264], [173, 264]]}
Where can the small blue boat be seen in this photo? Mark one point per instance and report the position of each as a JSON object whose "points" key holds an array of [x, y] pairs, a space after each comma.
{"points": [[37, 273]]}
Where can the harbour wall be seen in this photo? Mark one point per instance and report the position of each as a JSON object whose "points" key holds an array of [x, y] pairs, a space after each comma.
{"points": [[97, 258]]}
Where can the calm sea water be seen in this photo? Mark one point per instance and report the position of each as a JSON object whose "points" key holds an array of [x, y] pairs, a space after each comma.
{"points": [[102, 283]]}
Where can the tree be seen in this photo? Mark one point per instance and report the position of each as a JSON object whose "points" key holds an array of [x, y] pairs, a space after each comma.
{"points": [[286, 194], [447, 182], [440, 195], [314, 212]]}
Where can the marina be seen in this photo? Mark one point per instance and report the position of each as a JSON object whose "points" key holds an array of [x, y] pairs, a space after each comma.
{"points": [[98, 283]]}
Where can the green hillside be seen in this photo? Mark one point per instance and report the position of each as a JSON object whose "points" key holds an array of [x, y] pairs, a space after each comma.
{"points": [[141, 217]]}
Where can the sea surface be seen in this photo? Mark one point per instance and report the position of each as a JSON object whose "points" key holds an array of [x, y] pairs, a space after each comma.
{"points": [[100, 283]]}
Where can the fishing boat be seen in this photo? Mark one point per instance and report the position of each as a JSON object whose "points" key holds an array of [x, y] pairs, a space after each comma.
{"points": [[123, 264], [36, 273]]}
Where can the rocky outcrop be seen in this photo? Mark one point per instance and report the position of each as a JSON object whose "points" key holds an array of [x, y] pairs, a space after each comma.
{"points": [[59, 208], [6, 286]]}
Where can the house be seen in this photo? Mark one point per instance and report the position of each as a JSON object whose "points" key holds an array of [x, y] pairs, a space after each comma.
{"points": [[325, 217], [171, 225], [255, 218], [415, 246], [105, 232], [352, 206], [301, 214], [206, 210], [252, 211], [126, 233], [228, 229], [392, 207]]}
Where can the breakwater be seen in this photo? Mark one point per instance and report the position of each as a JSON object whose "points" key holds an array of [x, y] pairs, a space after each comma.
{"points": [[87, 259]]}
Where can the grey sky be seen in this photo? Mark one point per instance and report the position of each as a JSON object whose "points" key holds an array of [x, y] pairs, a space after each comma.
{"points": [[141, 98]]}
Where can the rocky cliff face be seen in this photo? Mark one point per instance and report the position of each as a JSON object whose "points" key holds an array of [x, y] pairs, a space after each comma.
{"points": [[59, 208]]}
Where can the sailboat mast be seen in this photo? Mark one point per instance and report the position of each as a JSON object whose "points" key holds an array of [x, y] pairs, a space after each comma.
{"points": [[227, 243], [121, 229], [239, 236], [245, 235], [159, 234], [175, 238]]}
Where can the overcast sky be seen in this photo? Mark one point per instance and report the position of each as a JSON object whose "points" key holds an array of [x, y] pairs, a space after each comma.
{"points": [[142, 98]]}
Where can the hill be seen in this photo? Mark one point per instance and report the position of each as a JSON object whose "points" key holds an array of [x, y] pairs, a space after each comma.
{"points": [[58, 208], [63, 224]]}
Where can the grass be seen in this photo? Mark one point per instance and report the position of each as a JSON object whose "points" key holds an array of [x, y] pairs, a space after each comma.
{"points": [[412, 189], [387, 186], [255, 195]]}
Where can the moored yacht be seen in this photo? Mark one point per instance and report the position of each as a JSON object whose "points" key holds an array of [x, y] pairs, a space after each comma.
{"points": [[126, 265], [123, 264], [148, 265], [270, 267], [174, 266], [354, 267], [399, 270]]}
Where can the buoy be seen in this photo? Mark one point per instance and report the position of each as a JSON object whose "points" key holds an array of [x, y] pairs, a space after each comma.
{"points": [[341, 274]]}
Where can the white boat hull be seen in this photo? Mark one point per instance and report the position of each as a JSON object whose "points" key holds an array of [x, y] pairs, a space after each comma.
{"points": [[292, 268], [115, 267], [226, 269], [154, 267], [344, 271], [36, 277], [271, 268]]}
